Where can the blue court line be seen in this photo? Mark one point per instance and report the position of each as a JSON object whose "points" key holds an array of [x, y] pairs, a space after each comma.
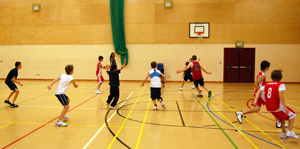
{"points": [[232, 126]]}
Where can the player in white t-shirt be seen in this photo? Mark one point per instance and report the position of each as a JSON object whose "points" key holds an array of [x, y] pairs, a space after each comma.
{"points": [[64, 82], [155, 85]]}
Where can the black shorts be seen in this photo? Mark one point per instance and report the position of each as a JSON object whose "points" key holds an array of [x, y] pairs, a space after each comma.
{"points": [[200, 81], [63, 99], [188, 77], [12, 86], [155, 93]]}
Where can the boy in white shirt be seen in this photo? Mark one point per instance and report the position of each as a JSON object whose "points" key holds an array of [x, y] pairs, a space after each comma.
{"points": [[155, 85], [64, 82]]}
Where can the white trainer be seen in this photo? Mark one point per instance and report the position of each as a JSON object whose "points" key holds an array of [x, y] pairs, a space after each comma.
{"points": [[60, 124], [193, 87], [278, 125], [163, 106], [98, 92], [155, 108], [292, 134], [181, 88], [283, 135], [239, 116], [114, 108], [65, 118]]}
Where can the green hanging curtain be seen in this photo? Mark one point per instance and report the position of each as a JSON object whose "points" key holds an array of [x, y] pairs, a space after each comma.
{"points": [[117, 27]]}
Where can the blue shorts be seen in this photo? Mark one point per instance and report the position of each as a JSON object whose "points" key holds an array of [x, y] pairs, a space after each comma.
{"points": [[12, 86], [63, 99]]}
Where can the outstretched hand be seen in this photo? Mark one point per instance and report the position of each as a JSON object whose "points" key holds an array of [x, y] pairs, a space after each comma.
{"points": [[209, 73], [49, 88], [178, 71]]}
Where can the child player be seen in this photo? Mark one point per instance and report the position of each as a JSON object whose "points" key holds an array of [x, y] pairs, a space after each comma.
{"points": [[64, 82], [100, 78], [155, 85], [260, 81], [187, 75], [275, 103], [114, 83], [10, 81], [197, 75]]}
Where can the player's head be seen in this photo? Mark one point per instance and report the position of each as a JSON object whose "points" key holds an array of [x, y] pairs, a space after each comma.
{"points": [[194, 57], [264, 65], [276, 75], [186, 63], [100, 58], [112, 55], [153, 64], [69, 69], [113, 67], [18, 64]]}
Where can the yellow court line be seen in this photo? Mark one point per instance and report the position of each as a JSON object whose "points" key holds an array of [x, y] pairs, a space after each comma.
{"points": [[139, 139], [232, 124], [251, 124], [6, 125], [111, 143]]}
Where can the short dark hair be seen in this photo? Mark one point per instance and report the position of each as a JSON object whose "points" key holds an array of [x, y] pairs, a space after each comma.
{"points": [[276, 75], [17, 63], [264, 64], [100, 58], [113, 66], [153, 64], [69, 69], [194, 57], [186, 63]]}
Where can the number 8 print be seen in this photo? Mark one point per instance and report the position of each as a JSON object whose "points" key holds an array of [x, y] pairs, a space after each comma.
{"points": [[269, 92]]}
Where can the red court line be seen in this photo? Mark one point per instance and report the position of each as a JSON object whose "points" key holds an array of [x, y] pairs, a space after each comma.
{"points": [[48, 123], [265, 116]]}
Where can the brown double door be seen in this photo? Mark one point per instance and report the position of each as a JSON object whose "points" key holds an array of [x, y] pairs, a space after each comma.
{"points": [[239, 65]]}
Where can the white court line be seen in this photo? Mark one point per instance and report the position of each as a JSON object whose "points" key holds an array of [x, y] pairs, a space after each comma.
{"points": [[293, 106], [104, 124]]}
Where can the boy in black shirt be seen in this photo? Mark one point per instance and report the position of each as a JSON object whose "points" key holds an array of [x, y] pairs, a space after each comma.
{"points": [[114, 83], [10, 81]]}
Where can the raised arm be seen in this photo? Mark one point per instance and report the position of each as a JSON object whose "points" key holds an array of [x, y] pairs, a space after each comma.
{"points": [[205, 70], [186, 68], [123, 64], [148, 75], [55, 80]]}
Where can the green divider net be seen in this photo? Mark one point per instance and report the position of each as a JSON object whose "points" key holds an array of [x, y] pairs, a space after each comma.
{"points": [[118, 31]]}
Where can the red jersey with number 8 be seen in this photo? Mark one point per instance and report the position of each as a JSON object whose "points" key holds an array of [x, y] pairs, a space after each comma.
{"points": [[196, 70], [272, 96]]}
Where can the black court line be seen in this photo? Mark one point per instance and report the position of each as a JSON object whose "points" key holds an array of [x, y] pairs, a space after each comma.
{"points": [[180, 114]]}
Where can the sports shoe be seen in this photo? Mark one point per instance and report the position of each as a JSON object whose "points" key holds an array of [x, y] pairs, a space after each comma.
{"points": [[98, 92], [65, 118], [278, 125], [181, 88], [239, 116], [60, 124], [292, 134], [193, 87], [6, 101], [107, 104], [163, 106], [209, 93], [13, 105], [155, 108], [283, 135], [114, 108], [199, 95]]}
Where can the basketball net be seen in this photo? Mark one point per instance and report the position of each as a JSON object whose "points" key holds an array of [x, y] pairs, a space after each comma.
{"points": [[200, 35]]}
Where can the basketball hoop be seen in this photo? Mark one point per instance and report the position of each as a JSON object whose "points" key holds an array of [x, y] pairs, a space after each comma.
{"points": [[200, 36]]}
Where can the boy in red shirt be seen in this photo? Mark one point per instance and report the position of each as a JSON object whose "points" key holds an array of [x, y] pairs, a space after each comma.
{"points": [[275, 103]]}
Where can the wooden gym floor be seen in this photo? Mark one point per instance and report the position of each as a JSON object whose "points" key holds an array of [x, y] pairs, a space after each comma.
{"points": [[188, 121]]}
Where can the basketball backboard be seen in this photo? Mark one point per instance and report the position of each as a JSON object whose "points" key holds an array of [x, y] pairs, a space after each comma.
{"points": [[195, 28]]}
